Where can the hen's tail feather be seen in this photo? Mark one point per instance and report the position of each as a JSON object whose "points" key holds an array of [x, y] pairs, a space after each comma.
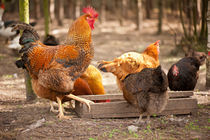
{"points": [[24, 26], [107, 67]]}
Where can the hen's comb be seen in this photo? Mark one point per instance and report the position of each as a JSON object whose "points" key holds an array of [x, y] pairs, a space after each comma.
{"points": [[2, 6], [157, 42], [89, 10]]}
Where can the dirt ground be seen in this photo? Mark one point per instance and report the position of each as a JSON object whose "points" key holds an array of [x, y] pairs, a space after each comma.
{"points": [[24, 120]]}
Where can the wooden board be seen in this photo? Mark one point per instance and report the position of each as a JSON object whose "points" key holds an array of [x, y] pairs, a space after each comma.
{"points": [[172, 94], [179, 103]]}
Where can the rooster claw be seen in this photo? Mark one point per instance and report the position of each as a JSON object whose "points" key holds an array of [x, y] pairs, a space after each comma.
{"points": [[88, 102], [82, 100], [62, 117]]}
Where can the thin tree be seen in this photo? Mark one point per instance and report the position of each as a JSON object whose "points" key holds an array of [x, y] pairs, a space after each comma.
{"points": [[46, 17], [52, 10], [208, 45], [60, 12], [139, 16], [160, 16], [36, 12], [103, 11], [24, 17], [77, 8]]}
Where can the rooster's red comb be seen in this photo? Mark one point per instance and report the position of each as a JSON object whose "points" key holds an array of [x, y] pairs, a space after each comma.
{"points": [[2, 6], [89, 10], [157, 42]]}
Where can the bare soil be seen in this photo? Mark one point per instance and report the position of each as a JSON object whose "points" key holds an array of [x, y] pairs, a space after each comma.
{"points": [[24, 120]]}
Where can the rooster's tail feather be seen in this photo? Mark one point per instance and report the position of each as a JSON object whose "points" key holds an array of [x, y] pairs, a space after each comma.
{"points": [[29, 35]]}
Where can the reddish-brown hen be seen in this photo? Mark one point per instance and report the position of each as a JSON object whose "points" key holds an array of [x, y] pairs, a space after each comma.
{"points": [[132, 62]]}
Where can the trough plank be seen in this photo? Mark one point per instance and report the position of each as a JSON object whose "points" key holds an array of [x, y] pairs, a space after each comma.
{"points": [[172, 94], [120, 109]]}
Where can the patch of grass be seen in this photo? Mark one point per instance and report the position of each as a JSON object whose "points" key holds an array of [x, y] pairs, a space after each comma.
{"points": [[149, 128], [8, 76], [89, 129], [91, 139], [113, 132], [200, 106], [110, 135], [20, 106], [209, 120], [207, 127], [104, 134], [1, 56], [192, 126], [124, 133], [133, 134]]}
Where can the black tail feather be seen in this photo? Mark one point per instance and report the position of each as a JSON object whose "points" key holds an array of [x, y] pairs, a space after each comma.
{"points": [[20, 64], [100, 66]]}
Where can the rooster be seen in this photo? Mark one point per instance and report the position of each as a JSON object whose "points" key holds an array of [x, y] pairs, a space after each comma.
{"points": [[54, 69], [146, 90], [132, 62], [183, 75]]}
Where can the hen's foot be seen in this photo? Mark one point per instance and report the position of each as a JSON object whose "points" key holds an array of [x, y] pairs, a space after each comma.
{"points": [[63, 117]]}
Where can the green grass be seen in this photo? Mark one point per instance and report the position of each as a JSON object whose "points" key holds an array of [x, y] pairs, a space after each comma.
{"points": [[192, 126]]}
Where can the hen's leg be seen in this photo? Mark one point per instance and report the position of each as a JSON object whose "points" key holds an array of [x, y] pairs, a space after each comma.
{"points": [[140, 120], [82, 100], [148, 119], [71, 105], [52, 108]]}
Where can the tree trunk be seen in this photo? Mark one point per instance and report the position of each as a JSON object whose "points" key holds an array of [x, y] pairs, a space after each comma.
{"points": [[88, 3], [60, 12], [24, 17], [118, 9], [52, 11], [77, 9], [148, 8], [46, 17], [160, 16], [182, 19], [195, 18], [103, 11], [124, 9], [139, 16], [208, 45], [36, 12], [204, 30]]}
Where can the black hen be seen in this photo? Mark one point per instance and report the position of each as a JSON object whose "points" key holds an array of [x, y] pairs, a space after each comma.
{"points": [[183, 75], [146, 90], [50, 40]]}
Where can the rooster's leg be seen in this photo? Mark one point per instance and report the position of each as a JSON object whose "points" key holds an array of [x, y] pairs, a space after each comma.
{"points": [[61, 110], [52, 108], [140, 120], [85, 101], [148, 119], [71, 105]]}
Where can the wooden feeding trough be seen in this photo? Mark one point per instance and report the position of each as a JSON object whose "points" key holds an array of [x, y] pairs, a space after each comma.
{"points": [[179, 103]]}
